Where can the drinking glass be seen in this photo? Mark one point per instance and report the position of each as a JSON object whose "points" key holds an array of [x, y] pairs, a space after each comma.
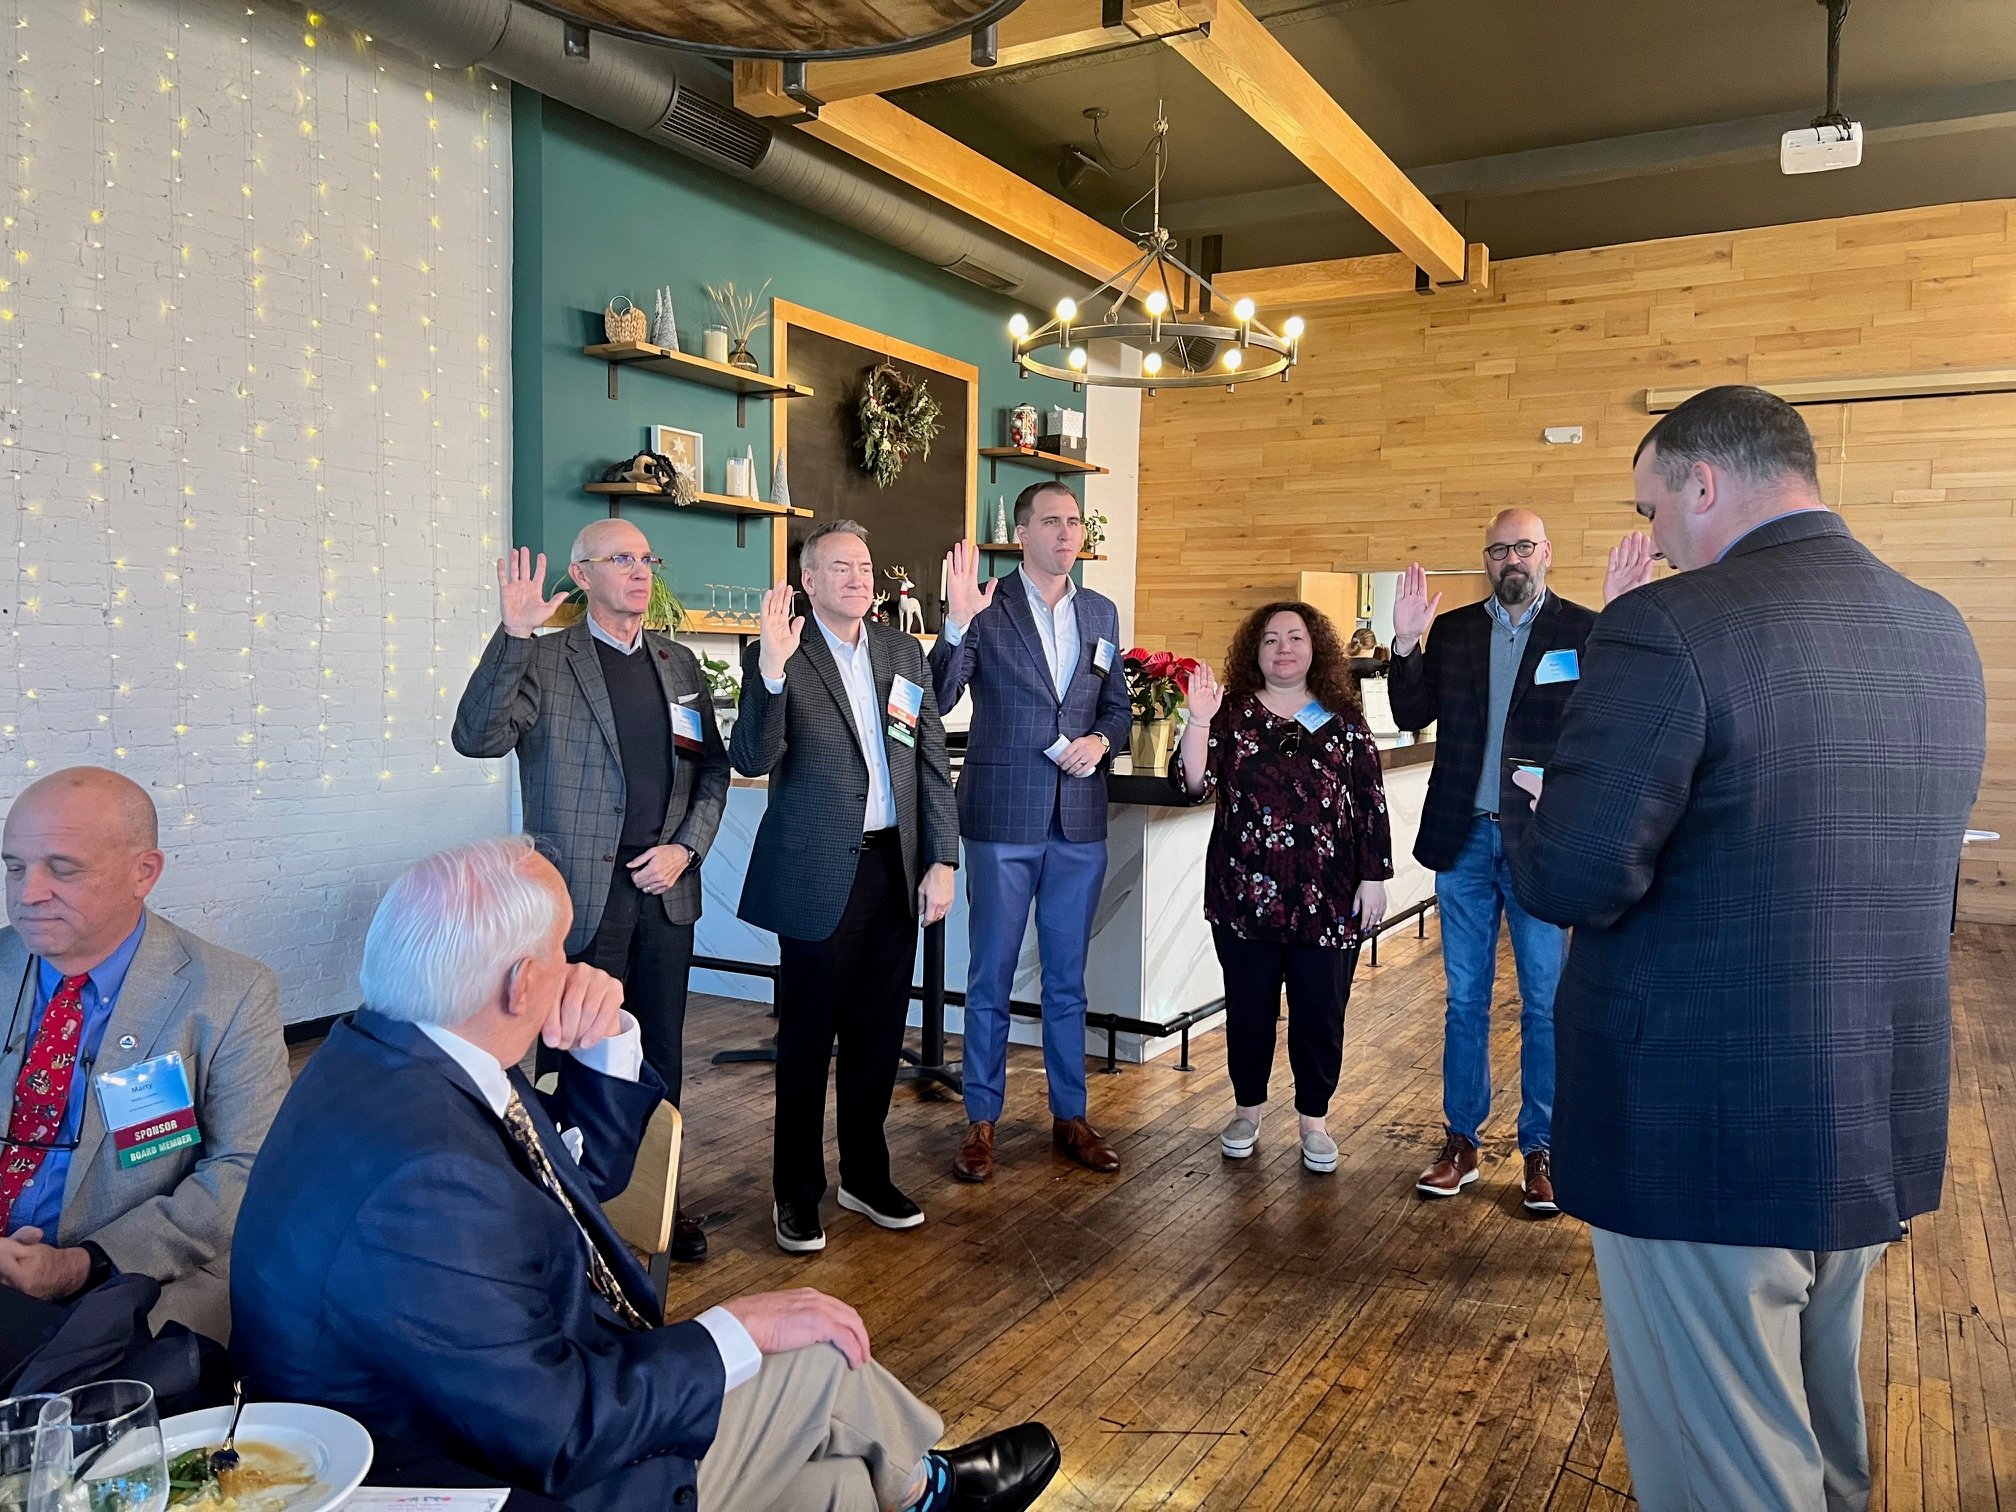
{"points": [[20, 1421], [108, 1458]]}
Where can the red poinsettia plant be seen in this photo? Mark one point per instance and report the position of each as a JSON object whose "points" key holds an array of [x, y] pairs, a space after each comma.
{"points": [[1156, 682]]}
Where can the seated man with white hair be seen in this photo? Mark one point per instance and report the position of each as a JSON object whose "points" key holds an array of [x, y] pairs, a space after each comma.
{"points": [[422, 1247]]}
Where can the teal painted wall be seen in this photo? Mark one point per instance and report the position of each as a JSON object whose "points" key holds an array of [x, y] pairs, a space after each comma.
{"points": [[599, 212]]}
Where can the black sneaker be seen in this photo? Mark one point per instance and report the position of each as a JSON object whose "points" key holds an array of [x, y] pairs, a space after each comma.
{"points": [[888, 1208], [798, 1230], [689, 1239]]}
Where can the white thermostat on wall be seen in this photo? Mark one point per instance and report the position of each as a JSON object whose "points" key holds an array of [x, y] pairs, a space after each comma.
{"points": [[1562, 435]]}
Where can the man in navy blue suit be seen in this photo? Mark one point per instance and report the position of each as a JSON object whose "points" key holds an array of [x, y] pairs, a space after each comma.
{"points": [[422, 1246], [1042, 657]]}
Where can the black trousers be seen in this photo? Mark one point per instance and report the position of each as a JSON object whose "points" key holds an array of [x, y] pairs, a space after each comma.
{"points": [[651, 956], [1318, 978], [853, 985]]}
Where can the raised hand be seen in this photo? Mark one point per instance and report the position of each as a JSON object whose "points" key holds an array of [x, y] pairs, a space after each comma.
{"points": [[1205, 696], [964, 597], [779, 633], [521, 592], [1631, 562], [1413, 611]]}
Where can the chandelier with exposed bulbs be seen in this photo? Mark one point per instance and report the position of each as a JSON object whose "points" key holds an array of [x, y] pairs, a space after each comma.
{"points": [[1193, 348]]}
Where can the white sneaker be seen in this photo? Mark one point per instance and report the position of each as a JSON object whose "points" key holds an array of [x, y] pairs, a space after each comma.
{"points": [[1239, 1138], [1319, 1152]]}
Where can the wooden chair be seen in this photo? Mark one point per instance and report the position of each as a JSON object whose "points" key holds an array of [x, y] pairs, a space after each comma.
{"points": [[642, 1212]]}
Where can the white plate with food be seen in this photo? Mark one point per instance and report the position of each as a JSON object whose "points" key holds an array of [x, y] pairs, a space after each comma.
{"points": [[292, 1458]]}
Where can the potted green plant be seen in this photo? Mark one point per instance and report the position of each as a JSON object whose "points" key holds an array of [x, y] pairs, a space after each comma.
{"points": [[1095, 531], [723, 691]]}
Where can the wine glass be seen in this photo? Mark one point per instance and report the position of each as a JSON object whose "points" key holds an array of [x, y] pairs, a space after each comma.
{"points": [[108, 1458]]}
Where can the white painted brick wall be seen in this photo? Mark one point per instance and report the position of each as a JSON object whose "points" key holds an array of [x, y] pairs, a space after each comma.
{"points": [[255, 370]]}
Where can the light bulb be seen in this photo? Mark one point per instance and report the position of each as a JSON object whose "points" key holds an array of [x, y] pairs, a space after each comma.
{"points": [[1152, 364], [1067, 309], [1293, 328], [1243, 310], [1018, 325], [1232, 359], [1078, 358], [1157, 302]]}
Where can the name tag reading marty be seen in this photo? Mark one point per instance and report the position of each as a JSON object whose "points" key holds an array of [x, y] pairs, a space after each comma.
{"points": [[906, 702], [1102, 656], [686, 731], [1558, 666], [149, 1109], [1312, 716]]}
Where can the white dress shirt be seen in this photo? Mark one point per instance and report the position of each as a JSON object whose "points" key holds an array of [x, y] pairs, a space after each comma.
{"points": [[857, 675], [1058, 630], [622, 1057]]}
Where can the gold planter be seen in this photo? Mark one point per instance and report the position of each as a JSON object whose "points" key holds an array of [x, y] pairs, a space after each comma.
{"points": [[1149, 746]]}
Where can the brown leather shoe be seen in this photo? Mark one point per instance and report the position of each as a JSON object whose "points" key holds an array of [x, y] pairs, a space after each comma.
{"points": [[1085, 1144], [1454, 1169], [975, 1161], [1539, 1183]]}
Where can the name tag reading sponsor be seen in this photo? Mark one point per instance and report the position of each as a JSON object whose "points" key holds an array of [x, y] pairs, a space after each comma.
{"points": [[906, 702], [687, 734], [148, 1109], [1557, 667], [1312, 716], [1102, 656]]}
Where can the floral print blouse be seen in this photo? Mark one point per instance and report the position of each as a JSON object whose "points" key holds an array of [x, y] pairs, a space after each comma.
{"points": [[1301, 822]]}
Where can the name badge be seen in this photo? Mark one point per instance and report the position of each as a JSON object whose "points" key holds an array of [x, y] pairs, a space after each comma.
{"points": [[148, 1109], [906, 702], [1558, 666], [1102, 656], [1312, 716], [687, 733]]}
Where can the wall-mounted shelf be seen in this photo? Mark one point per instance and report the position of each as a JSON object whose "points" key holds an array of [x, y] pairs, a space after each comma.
{"points": [[743, 509], [705, 622], [741, 382], [1009, 548], [1030, 457]]}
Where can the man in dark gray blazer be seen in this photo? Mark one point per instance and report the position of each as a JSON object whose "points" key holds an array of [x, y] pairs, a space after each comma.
{"points": [[622, 771], [118, 1158], [858, 840], [1752, 822]]}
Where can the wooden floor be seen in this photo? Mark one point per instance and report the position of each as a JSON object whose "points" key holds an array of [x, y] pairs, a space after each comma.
{"points": [[1207, 1333]]}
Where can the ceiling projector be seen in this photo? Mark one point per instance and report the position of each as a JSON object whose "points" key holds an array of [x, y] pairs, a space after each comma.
{"points": [[1816, 149]]}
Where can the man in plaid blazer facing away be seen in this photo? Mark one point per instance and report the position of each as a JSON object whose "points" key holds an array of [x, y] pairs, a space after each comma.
{"points": [[622, 771], [1041, 657], [1752, 822]]}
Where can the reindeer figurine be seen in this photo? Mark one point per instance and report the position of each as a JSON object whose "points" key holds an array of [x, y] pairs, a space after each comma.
{"points": [[909, 613]]}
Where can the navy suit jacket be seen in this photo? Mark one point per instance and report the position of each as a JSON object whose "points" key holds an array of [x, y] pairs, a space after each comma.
{"points": [[1008, 788], [1752, 821], [396, 1260]]}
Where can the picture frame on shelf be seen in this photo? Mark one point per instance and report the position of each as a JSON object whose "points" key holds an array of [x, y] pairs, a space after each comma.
{"points": [[685, 448]]}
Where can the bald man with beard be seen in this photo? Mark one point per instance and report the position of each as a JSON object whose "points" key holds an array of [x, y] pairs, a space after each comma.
{"points": [[1495, 680], [141, 1068]]}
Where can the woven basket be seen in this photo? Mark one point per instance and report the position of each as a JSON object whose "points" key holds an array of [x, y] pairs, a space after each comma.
{"points": [[626, 324]]}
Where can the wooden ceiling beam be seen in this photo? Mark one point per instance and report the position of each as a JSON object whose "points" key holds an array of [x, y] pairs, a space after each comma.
{"points": [[1254, 71], [889, 138], [1284, 290], [1034, 32]]}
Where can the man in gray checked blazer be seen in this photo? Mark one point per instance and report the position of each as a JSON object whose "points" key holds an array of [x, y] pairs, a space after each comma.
{"points": [[858, 841], [1042, 658], [98, 986], [1752, 821], [623, 773]]}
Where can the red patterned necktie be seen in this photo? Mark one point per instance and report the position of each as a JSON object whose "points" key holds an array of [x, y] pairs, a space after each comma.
{"points": [[42, 1092]]}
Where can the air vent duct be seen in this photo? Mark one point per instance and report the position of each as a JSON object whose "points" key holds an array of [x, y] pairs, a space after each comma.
{"points": [[697, 125]]}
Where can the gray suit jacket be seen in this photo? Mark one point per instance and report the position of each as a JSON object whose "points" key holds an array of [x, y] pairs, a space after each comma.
{"points": [[543, 696], [170, 1218], [802, 865]]}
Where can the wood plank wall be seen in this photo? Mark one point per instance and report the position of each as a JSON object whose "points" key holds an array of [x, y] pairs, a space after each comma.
{"points": [[1409, 423]]}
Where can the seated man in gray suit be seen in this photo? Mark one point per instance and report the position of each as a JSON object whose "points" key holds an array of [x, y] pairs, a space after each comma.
{"points": [[141, 1066], [858, 839]]}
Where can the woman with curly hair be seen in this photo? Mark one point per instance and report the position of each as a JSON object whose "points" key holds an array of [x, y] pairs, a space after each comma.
{"points": [[1300, 849]]}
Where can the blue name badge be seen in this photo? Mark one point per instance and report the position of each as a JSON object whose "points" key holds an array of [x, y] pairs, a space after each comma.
{"points": [[148, 1109], [906, 702], [1312, 716], [1558, 666], [1102, 656], [687, 734]]}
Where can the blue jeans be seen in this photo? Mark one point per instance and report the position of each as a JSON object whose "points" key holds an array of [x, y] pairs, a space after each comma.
{"points": [[1470, 896]]}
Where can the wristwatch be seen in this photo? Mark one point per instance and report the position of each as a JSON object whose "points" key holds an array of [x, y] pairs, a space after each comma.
{"points": [[1101, 738]]}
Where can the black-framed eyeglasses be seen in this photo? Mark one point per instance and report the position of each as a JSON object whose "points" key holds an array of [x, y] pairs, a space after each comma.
{"points": [[1502, 549], [623, 561]]}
